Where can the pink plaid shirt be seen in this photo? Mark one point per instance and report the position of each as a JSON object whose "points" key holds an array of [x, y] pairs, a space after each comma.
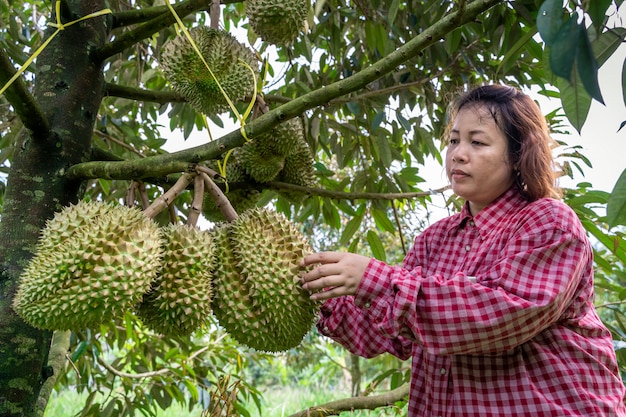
{"points": [[496, 311]]}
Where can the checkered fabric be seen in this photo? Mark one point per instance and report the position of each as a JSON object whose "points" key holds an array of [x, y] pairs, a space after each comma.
{"points": [[496, 311]]}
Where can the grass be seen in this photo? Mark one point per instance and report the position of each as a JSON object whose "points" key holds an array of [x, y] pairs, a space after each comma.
{"points": [[277, 402]]}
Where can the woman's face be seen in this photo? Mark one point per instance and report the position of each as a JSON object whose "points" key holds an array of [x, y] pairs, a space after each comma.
{"points": [[477, 162]]}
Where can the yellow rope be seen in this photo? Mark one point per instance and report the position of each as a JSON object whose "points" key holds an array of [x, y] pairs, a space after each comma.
{"points": [[60, 26]]}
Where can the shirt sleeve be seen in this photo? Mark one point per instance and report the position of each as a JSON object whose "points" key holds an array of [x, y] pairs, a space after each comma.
{"points": [[526, 290], [351, 326]]}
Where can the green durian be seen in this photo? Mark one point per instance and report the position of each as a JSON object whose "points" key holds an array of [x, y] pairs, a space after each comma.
{"points": [[179, 301], [282, 140], [258, 298], [261, 167], [222, 52], [277, 21], [299, 169], [92, 263]]}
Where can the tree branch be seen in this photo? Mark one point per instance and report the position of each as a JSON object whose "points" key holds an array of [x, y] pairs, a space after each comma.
{"points": [[161, 165], [22, 100], [161, 21], [343, 195], [133, 93], [334, 408], [132, 17]]}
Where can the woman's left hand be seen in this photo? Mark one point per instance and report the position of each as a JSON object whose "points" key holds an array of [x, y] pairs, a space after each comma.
{"points": [[339, 274]]}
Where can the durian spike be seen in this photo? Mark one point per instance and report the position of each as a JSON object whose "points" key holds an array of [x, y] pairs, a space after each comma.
{"points": [[166, 198], [196, 204], [221, 201]]}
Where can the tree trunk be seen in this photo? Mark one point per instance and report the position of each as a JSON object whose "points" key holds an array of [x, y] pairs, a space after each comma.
{"points": [[68, 90]]}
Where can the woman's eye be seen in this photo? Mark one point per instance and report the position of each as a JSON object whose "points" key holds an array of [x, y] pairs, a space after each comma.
{"points": [[454, 141]]}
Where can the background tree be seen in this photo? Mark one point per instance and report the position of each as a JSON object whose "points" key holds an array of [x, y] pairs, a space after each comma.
{"points": [[369, 81]]}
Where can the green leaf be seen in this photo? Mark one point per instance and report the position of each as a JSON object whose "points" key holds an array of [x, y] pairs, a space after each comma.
{"points": [[616, 205], [382, 220], [597, 11], [384, 150], [378, 119], [575, 101], [607, 43], [563, 49], [351, 228], [549, 20], [378, 251], [587, 66], [623, 85]]}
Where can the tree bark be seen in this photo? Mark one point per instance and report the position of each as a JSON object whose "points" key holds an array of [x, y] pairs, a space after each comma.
{"points": [[68, 89]]}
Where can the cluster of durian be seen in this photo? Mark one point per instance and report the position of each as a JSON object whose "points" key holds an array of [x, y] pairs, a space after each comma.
{"points": [[95, 261], [278, 22], [229, 61], [282, 154]]}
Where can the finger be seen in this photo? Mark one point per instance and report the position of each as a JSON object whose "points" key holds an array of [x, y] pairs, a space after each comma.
{"points": [[321, 258], [320, 272], [328, 294]]}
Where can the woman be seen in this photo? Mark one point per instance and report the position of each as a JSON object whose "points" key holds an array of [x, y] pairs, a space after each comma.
{"points": [[494, 304]]}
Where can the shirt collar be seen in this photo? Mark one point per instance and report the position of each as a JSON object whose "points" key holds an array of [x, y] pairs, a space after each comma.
{"points": [[493, 214]]}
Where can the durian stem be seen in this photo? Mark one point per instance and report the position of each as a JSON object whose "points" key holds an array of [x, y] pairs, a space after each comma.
{"points": [[170, 195], [196, 204], [143, 194], [215, 14], [222, 203], [130, 194]]}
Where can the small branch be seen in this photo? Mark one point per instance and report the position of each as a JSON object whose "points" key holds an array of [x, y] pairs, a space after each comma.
{"points": [[170, 195], [396, 217], [25, 105], [132, 93], [119, 142], [196, 204], [607, 305], [342, 195], [214, 12], [146, 30], [133, 17], [130, 194], [334, 408], [222, 203], [56, 360]]}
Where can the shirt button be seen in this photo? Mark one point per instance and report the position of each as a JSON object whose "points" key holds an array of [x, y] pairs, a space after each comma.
{"points": [[471, 223], [467, 248], [443, 371], [367, 305]]}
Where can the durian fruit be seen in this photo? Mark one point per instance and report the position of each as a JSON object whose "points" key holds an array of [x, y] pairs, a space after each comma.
{"points": [[277, 21], [179, 301], [92, 263], [299, 170], [281, 140], [258, 298], [240, 199], [261, 167], [222, 52]]}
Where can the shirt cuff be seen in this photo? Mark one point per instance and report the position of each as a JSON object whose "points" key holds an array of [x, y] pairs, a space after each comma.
{"points": [[376, 283]]}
